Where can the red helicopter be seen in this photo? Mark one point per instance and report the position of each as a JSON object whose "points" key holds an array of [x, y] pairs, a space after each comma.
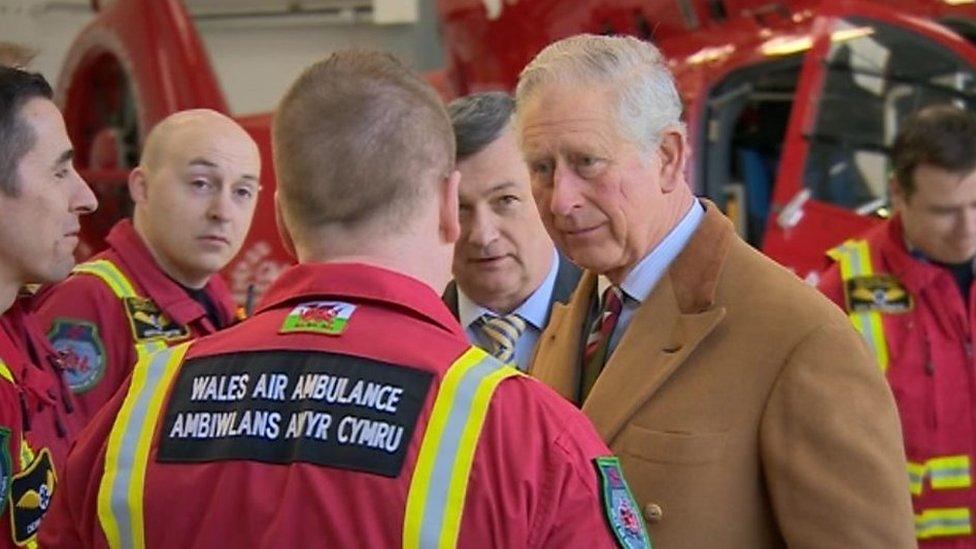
{"points": [[790, 105]]}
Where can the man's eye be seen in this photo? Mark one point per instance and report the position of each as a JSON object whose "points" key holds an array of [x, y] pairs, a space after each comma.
{"points": [[508, 200], [540, 168], [244, 192], [202, 184]]}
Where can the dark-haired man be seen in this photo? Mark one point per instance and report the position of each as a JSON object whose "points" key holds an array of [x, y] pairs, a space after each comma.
{"points": [[908, 288], [507, 273], [41, 199]]}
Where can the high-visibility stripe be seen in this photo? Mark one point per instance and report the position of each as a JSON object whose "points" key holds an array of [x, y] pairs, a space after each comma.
{"points": [[120, 493], [854, 257], [438, 488], [5, 373], [916, 477], [935, 523], [110, 274], [943, 472], [115, 279]]}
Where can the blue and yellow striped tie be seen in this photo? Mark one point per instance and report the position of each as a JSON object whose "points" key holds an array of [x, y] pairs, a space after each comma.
{"points": [[503, 332]]}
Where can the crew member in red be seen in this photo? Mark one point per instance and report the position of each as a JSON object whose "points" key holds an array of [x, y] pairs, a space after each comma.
{"points": [[908, 288], [156, 285], [41, 199], [350, 411]]}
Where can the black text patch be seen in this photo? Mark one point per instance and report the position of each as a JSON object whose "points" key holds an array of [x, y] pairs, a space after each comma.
{"points": [[328, 409], [877, 293], [30, 497]]}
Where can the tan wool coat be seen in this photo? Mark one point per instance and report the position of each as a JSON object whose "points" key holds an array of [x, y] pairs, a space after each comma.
{"points": [[746, 411]]}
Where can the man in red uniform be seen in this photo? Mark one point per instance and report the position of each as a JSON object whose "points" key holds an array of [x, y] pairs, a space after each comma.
{"points": [[41, 199], [349, 411], [907, 286], [195, 191]]}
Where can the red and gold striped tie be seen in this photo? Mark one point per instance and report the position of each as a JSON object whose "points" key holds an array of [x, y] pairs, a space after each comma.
{"points": [[598, 342]]}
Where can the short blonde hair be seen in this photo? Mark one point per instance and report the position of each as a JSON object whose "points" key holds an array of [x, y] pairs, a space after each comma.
{"points": [[359, 139]]}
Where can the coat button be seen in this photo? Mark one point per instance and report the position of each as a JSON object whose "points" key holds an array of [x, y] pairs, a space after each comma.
{"points": [[653, 512]]}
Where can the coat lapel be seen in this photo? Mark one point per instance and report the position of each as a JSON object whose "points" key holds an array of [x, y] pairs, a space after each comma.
{"points": [[557, 353], [659, 339], [667, 327]]}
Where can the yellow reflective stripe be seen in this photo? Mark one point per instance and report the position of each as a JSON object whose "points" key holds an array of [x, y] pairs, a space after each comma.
{"points": [[458, 488], [949, 472], [137, 481], [854, 257], [933, 523], [916, 477], [125, 462], [435, 501], [110, 274], [5, 373], [419, 484]]}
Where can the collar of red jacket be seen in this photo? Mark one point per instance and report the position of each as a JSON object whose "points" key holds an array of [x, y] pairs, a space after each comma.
{"points": [[914, 272], [139, 264], [359, 282]]}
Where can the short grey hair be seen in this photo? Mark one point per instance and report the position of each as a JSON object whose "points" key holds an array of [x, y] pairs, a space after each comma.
{"points": [[634, 70], [478, 120]]}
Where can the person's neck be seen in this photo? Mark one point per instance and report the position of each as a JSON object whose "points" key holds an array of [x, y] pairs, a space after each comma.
{"points": [[187, 280], [681, 204], [9, 288]]}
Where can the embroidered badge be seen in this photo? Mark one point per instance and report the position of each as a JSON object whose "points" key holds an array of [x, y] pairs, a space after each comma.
{"points": [[81, 350], [6, 466], [619, 505], [319, 317], [148, 322], [30, 497], [880, 293]]}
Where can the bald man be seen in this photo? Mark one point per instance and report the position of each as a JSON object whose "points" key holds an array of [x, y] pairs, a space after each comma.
{"points": [[195, 191]]}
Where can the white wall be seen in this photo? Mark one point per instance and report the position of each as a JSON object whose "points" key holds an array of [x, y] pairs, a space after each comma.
{"points": [[255, 58]]}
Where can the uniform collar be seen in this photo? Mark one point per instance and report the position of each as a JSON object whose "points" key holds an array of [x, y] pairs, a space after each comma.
{"points": [[913, 271], [362, 282], [163, 290]]}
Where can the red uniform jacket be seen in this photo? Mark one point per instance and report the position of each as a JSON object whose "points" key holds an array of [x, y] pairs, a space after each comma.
{"points": [[931, 373], [89, 325], [33, 432], [533, 482]]}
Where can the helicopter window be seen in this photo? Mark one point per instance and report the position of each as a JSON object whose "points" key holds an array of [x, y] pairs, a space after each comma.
{"points": [[876, 75], [746, 118]]}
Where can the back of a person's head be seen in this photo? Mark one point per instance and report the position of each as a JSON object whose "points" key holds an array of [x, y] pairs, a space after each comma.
{"points": [[17, 87], [943, 136], [359, 141]]}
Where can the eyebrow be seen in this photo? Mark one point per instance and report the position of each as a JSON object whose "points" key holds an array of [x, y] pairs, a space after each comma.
{"points": [[66, 156], [208, 164], [502, 186]]}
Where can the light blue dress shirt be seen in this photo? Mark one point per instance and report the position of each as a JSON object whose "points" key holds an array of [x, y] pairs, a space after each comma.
{"points": [[534, 311], [639, 282]]}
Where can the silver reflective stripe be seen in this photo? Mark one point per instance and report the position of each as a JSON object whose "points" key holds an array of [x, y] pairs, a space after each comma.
{"points": [[857, 269], [130, 439], [440, 480]]}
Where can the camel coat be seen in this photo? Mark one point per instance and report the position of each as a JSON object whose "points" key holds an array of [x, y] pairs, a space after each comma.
{"points": [[746, 411]]}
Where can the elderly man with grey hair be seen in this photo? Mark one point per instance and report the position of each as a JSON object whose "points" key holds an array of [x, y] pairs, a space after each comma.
{"points": [[507, 274], [745, 410]]}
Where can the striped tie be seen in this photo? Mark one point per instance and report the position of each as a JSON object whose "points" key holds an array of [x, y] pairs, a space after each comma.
{"points": [[598, 342], [503, 332]]}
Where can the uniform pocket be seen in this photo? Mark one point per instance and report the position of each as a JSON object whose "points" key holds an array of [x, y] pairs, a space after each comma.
{"points": [[671, 446]]}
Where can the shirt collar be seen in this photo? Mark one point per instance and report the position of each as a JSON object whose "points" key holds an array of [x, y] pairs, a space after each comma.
{"points": [[639, 282], [361, 282], [534, 310]]}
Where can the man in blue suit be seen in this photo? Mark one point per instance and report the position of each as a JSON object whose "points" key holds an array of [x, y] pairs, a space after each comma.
{"points": [[507, 272]]}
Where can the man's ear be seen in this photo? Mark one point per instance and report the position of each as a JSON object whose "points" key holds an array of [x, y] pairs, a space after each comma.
{"points": [[447, 199], [673, 151], [283, 232], [138, 185]]}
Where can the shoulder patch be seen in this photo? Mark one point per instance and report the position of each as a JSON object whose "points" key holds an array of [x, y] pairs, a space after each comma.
{"points": [[30, 497], [880, 293], [6, 467], [149, 323], [618, 503], [82, 351], [319, 317]]}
